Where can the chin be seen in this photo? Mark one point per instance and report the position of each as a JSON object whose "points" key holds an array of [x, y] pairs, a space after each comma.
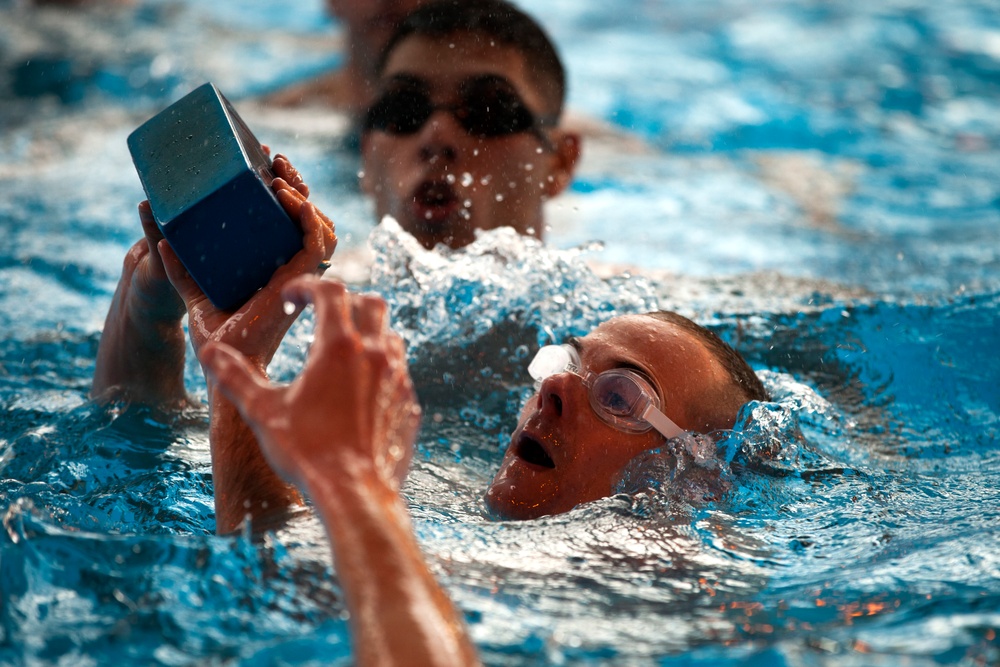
{"points": [[504, 505]]}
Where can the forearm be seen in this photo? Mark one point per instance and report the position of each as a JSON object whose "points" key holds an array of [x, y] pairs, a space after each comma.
{"points": [[399, 613], [139, 360], [243, 481]]}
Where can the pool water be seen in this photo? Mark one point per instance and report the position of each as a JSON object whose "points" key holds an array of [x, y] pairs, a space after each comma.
{"points": [[819, 183]]}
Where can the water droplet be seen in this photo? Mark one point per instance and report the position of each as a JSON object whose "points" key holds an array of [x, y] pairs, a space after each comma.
{"points": [[499, 197], [289, 307], [467, 179]]}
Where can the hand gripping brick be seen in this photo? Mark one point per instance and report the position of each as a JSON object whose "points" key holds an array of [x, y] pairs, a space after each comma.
{"points": [[208, 182]]}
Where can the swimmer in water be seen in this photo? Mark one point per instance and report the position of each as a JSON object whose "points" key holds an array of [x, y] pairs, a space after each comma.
{"points": [[464, 132], [343, 433]]}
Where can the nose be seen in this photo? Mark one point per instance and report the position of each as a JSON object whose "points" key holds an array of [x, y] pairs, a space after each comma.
{"points": [[440, 137], [552, 394]]}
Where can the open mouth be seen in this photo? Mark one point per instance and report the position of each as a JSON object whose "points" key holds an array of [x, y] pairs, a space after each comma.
{"points": [[435, 199], [531, 451]]}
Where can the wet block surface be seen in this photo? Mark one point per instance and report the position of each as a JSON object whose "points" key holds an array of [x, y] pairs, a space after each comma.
{"points": [[208, 182]]}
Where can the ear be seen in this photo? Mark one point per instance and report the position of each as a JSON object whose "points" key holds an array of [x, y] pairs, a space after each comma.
{"points": [[564, 159]]}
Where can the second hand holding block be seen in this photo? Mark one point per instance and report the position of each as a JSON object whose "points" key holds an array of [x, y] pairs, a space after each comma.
{"points": [[208, 182]]}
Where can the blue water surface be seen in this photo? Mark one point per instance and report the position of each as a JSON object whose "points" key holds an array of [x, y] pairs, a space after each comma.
{"points": [[817, 182]]}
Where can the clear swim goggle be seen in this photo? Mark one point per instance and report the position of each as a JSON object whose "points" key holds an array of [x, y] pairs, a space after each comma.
{"points": [[620, 397]]}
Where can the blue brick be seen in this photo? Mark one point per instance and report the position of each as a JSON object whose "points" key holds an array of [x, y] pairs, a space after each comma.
{"points": [[209, 186]]}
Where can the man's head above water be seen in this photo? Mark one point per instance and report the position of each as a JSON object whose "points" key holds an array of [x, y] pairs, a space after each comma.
{"points": [[463, 133], [566, 450]]}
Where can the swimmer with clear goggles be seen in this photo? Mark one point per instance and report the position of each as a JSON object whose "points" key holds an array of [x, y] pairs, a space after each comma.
{"points": [[619, 396]]}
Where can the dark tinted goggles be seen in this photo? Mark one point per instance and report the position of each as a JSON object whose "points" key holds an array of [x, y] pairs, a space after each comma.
{"points": [[488, 107]]}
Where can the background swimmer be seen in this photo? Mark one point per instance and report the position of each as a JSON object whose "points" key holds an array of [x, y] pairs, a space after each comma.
{"points": [[464, 132]]}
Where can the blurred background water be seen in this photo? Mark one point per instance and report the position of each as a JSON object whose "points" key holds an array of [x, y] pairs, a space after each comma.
{"points": [[818, 182]]}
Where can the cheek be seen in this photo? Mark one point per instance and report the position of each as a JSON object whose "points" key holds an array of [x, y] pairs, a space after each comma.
{"points": [[382, 171], [529, 407], [599, 465], [507, 170]]}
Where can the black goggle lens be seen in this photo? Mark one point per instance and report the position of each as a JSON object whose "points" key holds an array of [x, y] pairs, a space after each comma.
{"points": [[489, 108]]}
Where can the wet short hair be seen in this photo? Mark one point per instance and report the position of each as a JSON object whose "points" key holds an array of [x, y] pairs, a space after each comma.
{"points": [[742, 376], [498, 21]]}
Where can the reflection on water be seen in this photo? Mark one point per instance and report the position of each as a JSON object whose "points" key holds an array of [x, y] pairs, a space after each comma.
{"points": [[819, 185]]}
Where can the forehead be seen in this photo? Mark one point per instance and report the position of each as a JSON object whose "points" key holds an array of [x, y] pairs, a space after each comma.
{"points": [[640, 333], [445, 62], [668, 352]]}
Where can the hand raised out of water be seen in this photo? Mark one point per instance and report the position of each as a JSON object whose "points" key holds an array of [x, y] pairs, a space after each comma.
{"points": [[352, 411], [150, 288], [257, 327], [343, 432], [141, 355]]}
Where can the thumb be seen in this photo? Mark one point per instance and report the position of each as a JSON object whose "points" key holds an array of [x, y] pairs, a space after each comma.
{"points": [[235, 377], [178, 275]]}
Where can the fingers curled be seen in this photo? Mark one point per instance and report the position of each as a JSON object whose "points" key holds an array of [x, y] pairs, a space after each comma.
{"points": [[284, 169]]}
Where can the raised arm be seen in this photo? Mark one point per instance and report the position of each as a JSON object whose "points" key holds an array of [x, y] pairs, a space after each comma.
{"points": [[343, 432], [141, 354], [243, 482]]}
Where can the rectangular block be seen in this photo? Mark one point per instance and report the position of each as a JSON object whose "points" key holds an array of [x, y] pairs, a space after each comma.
{"points": [[209, 186]]}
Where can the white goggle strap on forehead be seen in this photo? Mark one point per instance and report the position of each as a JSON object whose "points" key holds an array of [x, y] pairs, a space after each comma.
{"points": [[552, 359], [662, 423]]}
